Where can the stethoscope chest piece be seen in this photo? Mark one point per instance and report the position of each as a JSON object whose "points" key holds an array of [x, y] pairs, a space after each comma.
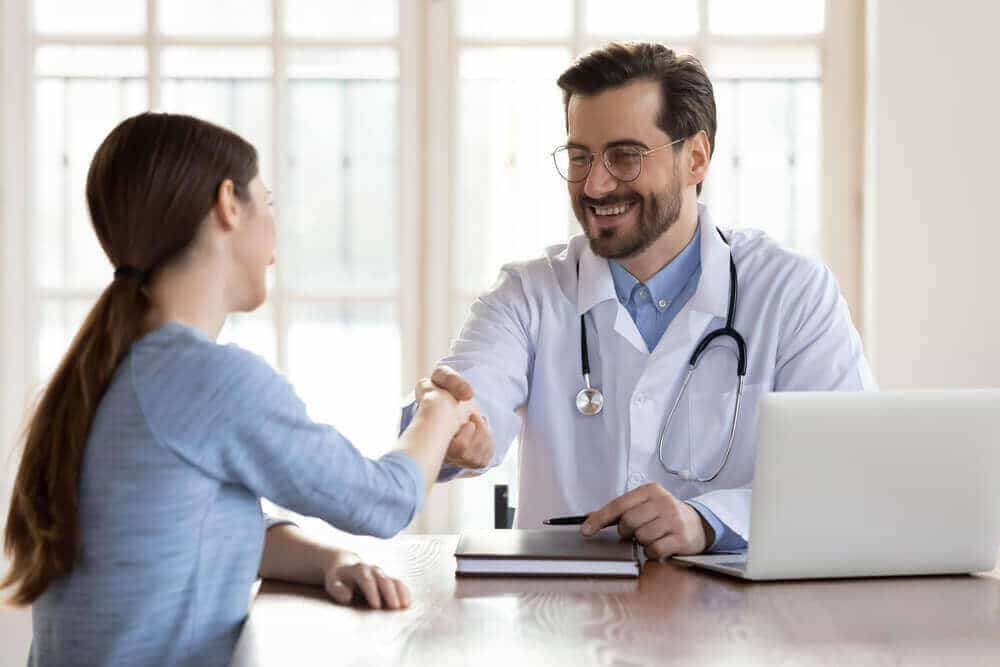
{"points": [[589, 401]]}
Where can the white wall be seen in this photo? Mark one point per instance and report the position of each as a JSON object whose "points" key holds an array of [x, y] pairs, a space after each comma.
{"points": [[931, 186], [15, 624]]}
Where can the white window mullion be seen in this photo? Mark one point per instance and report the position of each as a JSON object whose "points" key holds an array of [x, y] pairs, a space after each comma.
{"points": [[438, 89], [278, 106], [411, 215], [153, 54]]}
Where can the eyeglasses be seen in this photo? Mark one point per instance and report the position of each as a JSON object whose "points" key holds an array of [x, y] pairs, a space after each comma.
{"points": [[623, 162]]}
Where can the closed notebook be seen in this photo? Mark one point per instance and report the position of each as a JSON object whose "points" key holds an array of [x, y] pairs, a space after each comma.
{"points": [[551, 553]]}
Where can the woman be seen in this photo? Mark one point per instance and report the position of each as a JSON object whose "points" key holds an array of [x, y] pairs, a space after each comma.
{"points": [[135, 528]]}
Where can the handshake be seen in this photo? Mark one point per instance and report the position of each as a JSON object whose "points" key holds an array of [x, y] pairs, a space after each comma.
{"points": [[448, 394]]}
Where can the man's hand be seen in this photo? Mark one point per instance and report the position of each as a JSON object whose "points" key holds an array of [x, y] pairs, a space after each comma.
{"points": [[658, 521], [472, 446]]}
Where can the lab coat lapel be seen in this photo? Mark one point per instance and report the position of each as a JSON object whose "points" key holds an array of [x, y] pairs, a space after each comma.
{"points": [[597, 287], [712, 296]]}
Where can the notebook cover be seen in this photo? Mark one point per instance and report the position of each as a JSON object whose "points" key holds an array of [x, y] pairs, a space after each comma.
{"points": [[545, 545]]}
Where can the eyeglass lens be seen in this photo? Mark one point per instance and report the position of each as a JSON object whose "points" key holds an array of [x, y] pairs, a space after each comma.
{"points": [[622, 162]]}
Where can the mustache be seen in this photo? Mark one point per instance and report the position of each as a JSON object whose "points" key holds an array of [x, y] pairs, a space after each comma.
{"points": [[609, 200]]}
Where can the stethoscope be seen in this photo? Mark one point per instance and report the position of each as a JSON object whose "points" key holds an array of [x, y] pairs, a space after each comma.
{"points": [[590, 400]]}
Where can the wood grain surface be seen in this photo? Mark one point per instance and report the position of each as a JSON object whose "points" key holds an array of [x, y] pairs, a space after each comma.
{"points": [[672, 614]]}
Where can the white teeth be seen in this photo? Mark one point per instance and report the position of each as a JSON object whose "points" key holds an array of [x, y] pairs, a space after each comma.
{"points": [[610, 210]]}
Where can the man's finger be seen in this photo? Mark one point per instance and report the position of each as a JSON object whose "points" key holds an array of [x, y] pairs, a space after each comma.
{"points": [[663, 547], [482, 442], [610, 513], [447, 378], [460, 445], [636, 517], [652, 531]]}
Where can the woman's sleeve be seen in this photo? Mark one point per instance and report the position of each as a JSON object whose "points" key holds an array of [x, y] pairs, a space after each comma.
{"points": [[229, 414]]}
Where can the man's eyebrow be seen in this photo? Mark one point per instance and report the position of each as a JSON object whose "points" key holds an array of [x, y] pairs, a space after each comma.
{"points": [[627, 142], [612, 144]]}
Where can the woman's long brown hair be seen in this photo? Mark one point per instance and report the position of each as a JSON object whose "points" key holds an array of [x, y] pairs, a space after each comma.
{"points": [[151, 184]]}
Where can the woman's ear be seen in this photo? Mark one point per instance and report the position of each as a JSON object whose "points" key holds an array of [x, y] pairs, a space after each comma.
{"points": [[227, 205]]}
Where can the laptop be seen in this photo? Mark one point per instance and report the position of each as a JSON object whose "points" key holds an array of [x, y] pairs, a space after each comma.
{"points": [[869, 484]]}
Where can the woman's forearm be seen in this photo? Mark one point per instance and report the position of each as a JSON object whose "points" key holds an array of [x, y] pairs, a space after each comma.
{"points": [[426, 441], [289, 555]]}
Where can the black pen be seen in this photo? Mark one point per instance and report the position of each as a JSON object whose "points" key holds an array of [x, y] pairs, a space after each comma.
{"points": [[565, 520]]}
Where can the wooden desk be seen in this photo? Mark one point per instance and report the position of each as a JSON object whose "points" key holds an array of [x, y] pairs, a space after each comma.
{"points": [[671, 614]]}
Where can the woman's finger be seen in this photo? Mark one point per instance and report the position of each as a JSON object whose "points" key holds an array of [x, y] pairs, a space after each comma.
{"points": [[403, 591], [367, 585], [387, 588], [340, 592]]}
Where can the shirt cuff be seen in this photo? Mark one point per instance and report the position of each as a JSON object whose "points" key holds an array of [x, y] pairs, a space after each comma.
{"points": [[725, 539]]}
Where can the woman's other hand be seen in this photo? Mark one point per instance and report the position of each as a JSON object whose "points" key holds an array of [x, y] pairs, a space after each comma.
{"points": [[367, 583]]}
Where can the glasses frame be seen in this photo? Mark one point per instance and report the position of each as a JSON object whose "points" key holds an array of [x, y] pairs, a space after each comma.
{"points": [[643, 154]]}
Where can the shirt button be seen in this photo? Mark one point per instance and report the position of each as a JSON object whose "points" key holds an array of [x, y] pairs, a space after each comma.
{"points": [[636, 478], [640, 399], [643, 292], [662, 303]]}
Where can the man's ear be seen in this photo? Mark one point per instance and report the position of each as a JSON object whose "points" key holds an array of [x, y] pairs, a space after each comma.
{"points": [[701, 151], [227, 205]]}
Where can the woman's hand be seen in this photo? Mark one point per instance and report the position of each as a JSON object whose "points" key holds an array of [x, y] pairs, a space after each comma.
{"points": [[369, 583]]}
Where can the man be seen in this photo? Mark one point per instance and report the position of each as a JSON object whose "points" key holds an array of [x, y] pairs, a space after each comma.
{"points": [[651, 277]]}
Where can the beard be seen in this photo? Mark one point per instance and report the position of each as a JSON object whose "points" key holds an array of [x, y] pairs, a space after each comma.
{"points": [[657, 213]]}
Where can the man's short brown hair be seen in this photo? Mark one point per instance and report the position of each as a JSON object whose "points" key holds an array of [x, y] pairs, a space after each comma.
{"points": [[687, 100]]}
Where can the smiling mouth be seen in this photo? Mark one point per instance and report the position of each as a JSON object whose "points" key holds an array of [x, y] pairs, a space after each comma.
{"points": [[610, 213]]}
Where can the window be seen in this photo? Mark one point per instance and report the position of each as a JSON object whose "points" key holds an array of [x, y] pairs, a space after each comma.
{"points": [[407, 144], [322, 107]]}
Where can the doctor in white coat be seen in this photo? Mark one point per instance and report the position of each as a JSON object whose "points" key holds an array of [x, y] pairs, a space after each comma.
{"points": [[651, 277]]}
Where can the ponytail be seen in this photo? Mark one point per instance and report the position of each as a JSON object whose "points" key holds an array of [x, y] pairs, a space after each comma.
{"points": [[43, 535]]}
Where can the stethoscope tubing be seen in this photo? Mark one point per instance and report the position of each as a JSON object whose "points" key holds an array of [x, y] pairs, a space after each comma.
{"points": [[590, 400]]}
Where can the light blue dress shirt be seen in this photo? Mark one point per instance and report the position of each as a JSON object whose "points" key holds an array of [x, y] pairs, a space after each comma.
{"points": [[653, 306]]}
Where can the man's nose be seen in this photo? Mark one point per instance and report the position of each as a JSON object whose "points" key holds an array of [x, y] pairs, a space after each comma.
{"points": [[599, 181]]}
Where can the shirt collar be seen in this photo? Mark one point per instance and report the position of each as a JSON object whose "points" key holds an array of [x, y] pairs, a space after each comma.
{"points": [[665, 284]]}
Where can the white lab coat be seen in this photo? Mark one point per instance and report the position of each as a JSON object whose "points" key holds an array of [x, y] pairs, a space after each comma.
{"points": [[520, 349]]}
